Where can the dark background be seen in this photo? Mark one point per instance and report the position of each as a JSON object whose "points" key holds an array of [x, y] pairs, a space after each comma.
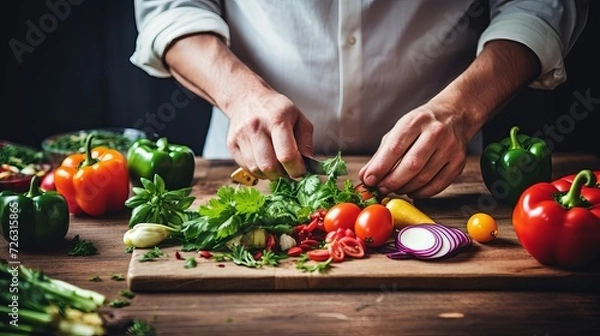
{"points": [[79, 76]]}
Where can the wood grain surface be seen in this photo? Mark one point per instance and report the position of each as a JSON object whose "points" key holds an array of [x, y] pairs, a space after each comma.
{"points": [[391, 309]]}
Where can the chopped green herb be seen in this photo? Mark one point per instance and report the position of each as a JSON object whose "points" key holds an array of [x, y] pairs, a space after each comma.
{"points": [[75, 142], [119, 303], [228, 320], [236, 211], [82, 247], [270, 258], [129, 249], [140, 328], [117, 277], [95, 279], [127, 294], [152, 255], [318, 267], [190, 262]]}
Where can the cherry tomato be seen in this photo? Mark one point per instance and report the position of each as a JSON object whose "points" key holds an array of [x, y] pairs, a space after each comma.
{"points": [[318, 255], [336, 252], [342, 215], [366, 193], [482, 227], [294, 251], [352, 247], [374, 225]]}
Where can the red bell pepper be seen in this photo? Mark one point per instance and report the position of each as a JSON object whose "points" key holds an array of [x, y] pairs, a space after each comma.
{"points": [[95, 183], [560, 227]]}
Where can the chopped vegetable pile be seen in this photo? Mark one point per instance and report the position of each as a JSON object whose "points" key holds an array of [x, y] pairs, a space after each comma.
{"points": [[17, 162], [316, 220], [32, 303], [75, 142]]}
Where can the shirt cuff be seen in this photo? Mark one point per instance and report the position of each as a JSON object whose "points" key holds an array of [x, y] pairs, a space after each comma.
{"points": [[538, 36], [156, 35]]}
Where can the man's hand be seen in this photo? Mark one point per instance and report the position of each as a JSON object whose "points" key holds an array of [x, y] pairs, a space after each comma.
{"points": [[425, 151], [421, 155], [266, 134]]}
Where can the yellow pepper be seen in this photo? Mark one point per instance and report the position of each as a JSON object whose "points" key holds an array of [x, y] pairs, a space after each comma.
{"points": [[405, 213]]}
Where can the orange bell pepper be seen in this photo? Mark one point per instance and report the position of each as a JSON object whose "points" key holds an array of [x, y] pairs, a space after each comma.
{"points": [[95, 183]]}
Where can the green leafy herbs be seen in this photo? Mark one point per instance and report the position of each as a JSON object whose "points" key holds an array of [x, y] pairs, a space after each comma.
{"points": [[241, 256], [95, 279], [117, 277], [305, 265], [335, 166], [235, 211], [140, 328], [129, 249], [19, 156], [127, 294], [154, 204], [190, 262], [119, 303], [270, 258], [152, 255], [82, 247]]}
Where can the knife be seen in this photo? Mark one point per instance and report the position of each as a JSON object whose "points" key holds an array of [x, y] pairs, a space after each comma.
{"points": [[313, 166]]}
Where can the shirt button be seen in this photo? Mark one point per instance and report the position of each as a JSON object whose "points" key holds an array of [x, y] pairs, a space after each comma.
{"points": [[351, 40]]}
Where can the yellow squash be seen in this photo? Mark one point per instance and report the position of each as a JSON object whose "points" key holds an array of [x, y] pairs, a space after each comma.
{"points": [[405, 213]]}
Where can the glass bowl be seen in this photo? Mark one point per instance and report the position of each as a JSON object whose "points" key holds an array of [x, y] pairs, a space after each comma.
{"points": [[17, 171], [57, 147]]}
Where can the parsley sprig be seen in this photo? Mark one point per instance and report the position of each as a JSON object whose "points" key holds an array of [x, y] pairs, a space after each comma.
{"points": [[320, 267], [82, 247], [240, 255], [152, 255]]}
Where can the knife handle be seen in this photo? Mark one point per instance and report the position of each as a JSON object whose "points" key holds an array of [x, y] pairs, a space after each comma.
{"points": [[241, 176]]}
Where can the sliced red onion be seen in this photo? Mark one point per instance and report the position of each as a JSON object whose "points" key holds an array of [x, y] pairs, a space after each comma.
{"points": [[428, 241]]}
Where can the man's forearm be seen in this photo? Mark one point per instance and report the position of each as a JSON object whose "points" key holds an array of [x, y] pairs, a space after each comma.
{"points": [[500, 71], [206, 66]]}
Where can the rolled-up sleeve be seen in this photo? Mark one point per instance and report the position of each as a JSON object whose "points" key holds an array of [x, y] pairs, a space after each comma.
{"points": [[160, 22], [548, 27]]}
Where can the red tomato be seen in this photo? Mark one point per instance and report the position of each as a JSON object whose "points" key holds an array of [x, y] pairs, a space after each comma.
{"points": [[337, 252], [366, 193], [352, 247], [342, 215], [318, 255], [374, 225]]}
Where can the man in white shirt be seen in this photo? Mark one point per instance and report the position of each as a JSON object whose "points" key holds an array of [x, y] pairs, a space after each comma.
{"points": [[410, 81]]}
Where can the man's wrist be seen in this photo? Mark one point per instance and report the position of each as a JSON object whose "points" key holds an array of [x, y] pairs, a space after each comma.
{"points": [[490, 82]]}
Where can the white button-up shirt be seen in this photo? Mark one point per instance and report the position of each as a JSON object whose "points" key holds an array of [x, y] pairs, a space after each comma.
{"points": [[354, 67]]}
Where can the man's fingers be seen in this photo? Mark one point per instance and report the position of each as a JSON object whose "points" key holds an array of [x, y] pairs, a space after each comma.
{"points": [[393, 147], [286, 150], [264, 156], [441, 180], [409, 167], [303, 131]]}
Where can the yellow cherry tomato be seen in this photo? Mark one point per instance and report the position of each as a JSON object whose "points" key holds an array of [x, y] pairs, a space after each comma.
{"points": [[482, 227]]}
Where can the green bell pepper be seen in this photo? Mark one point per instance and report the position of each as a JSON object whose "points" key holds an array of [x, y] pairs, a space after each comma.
{"points": [[174, 163], [34, 220], [513, 164]]}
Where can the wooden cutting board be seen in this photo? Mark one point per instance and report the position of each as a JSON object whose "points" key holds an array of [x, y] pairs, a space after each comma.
{"points": [[501, 264]]}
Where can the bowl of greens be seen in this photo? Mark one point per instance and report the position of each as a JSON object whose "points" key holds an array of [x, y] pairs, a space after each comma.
{"points": [[18, 165], [57, 147]]}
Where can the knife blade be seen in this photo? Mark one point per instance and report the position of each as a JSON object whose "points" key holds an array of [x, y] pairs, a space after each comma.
{"points": [[313, 166]]}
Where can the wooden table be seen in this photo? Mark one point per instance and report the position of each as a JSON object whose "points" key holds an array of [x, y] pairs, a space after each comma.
{"points": [[386, 311]]}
